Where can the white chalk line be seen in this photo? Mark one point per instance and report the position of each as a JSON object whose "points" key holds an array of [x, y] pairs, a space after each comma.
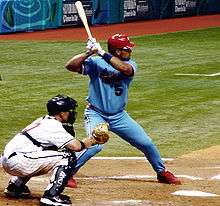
{"points": [[142, 177], [127, 158], [194, 193], [130, 202], [203, 75], [127, 202], [120, 177], [217, 177], [214, 167], [190, 177]]}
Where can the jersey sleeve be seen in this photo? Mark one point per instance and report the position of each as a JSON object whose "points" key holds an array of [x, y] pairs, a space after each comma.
{"points": [[62, 138], [133, 64], [88, 66]]}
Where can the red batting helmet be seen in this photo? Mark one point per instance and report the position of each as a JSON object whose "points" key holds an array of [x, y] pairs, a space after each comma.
{"points": [[119, 41]]}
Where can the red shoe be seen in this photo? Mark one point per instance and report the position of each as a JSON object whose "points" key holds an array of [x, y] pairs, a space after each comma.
{"points": [[71, 183], [168, 178]]}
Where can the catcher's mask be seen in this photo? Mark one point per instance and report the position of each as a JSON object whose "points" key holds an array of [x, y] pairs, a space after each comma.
{"points": [[61, 103], [119, 41]]}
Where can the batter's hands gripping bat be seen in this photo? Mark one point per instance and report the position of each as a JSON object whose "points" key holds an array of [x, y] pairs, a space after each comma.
{"points": [[82, 15]]}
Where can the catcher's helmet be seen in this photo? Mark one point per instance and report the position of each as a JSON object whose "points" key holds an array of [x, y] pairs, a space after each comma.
{"points": [[119, 41], [61, 103]]}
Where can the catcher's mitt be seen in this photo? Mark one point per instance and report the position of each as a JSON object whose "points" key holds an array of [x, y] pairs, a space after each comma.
{"points": [[101, 133]]}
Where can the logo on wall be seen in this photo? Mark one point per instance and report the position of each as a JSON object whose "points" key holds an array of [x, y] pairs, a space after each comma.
{"points": [[136, 9], [182, 6], [20, 15], [70, 14]]}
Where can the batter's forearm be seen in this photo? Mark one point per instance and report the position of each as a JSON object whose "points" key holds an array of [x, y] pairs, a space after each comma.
{"points": [[118, 64], [121, 66]]}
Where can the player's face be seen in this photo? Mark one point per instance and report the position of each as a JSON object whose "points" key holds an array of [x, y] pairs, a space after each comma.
{"points": [[64, 116], [124, 54], [72, 116], [68, 117]]}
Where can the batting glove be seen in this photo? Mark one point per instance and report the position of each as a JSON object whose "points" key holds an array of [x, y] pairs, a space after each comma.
{"points": [[99, 49], [93, 40], [90, 43]]}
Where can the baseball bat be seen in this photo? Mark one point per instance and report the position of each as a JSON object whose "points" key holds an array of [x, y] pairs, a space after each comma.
{"points": [[82, 15]]}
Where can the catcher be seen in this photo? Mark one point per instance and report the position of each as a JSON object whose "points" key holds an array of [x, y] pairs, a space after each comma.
{"points": [[47, 144]]}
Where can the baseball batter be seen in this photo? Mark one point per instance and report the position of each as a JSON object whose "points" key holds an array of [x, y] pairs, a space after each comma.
{"points": [[110, 76], [44, 145]]}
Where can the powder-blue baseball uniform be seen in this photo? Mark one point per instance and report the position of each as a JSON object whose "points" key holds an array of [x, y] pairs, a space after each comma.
{"points": [[107, 99]]}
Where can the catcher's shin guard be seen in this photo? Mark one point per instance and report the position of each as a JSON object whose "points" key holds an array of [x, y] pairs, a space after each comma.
{"points": [[60, 176]]}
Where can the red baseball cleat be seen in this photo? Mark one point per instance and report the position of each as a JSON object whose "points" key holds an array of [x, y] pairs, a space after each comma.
{"points": [[72, 183], [168, 178]]}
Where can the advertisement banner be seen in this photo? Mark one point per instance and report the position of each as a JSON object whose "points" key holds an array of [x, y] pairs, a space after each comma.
{"points": [[185, 7], [130, 9], [141, 9], [70, 15]]}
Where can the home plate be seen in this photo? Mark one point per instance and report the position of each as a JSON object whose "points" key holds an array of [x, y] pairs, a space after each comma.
{"points": [[194, 193]]}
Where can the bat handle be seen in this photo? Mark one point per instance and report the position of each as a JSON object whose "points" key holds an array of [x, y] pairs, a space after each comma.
{"points": [[89, 34]]}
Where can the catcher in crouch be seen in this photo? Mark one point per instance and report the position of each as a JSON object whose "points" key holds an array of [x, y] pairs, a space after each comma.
{"points": [[48, 144]]}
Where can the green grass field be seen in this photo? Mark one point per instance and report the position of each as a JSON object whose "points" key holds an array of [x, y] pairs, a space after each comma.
{"points": [[180, 113]]}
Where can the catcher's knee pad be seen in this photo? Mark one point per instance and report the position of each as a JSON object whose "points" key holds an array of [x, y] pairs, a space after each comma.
{"points": [[69, 160]]}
